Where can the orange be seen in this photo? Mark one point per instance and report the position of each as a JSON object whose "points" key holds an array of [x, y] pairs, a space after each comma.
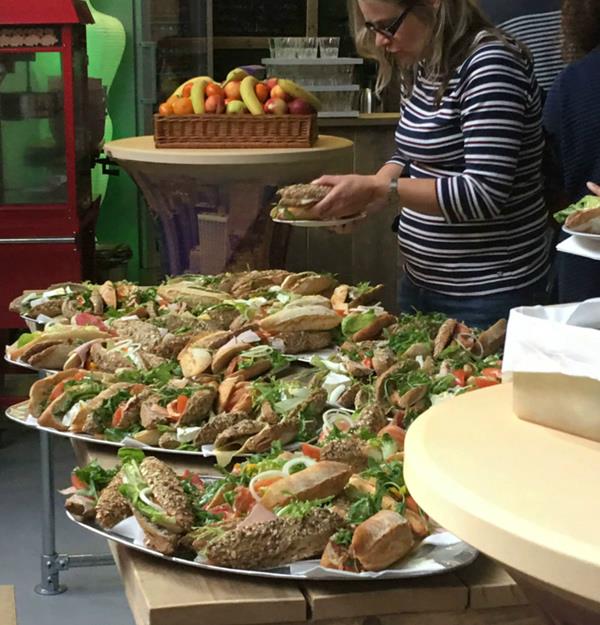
{"points": [[262, 91], [166, 108], [213, 88], [183, 106], [187, 90]]}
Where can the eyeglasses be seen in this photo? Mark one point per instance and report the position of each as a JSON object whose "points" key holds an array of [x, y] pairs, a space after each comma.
{"points": [[389, 31]]}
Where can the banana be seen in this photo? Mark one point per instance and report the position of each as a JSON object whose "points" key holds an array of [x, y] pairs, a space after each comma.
{"points": [[249, 95], [179, 89], [236, 74], [197, 94], [296, 91]]}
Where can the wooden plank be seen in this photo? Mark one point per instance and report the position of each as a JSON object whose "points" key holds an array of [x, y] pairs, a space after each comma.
{"points": [[8, 610], [312, 18], [241, 43], [338, 600], [490, 586], [520, 615], [161, 593]]}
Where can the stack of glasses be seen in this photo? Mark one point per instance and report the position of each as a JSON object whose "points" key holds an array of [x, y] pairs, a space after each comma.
{"points": [[329, 76]]}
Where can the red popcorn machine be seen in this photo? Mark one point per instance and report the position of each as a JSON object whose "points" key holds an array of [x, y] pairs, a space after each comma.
{"points": [[47, 219]]}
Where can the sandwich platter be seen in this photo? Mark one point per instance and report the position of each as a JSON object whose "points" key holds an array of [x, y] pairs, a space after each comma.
{"points": [[320, 223], [439, 553], [19, 414], [585, 235]]}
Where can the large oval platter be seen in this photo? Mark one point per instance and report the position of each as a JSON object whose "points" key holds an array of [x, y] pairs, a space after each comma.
{"points": [[19, 414], [439, 553]]}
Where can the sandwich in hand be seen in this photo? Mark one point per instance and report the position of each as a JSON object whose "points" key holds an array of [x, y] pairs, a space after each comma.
{"points": [[298, 200], [583, 216]]}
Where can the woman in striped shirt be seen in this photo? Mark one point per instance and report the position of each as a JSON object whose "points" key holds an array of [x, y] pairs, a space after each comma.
{"points": [[467, 169]]}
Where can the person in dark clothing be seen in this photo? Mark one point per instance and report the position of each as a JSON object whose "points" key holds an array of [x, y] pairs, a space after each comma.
{"points": [[572, 123], [535, 23]]}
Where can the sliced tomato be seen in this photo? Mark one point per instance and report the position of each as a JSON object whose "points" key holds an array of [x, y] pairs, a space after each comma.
{"points": [[492, 372], [79, 375], [56, 391], [244, 501], [411, 504], [118, 416], [482, 381], [396, 432], [194, 478], [460, 376], [367, 362], [182, 402], [87, 319], [176, 407], [311, 451], [224, 510], [78, 483], [136, 389]]}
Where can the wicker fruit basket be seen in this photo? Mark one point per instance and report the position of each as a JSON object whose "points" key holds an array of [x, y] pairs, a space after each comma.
{"points": [[235, 131]]}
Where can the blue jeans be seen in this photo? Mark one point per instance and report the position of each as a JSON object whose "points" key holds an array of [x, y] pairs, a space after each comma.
{"points": [[479, 311]]}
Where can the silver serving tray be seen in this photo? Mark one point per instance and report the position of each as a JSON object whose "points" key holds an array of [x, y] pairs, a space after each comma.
{"points": [[19, 414], [442, 559]]}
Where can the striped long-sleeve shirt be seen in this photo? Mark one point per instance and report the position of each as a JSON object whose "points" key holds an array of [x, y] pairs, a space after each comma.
{"points": [[483, 144]]}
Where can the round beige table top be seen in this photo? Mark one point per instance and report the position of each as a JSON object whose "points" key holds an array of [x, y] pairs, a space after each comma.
{"points": [[142, 149], [524, 494]]}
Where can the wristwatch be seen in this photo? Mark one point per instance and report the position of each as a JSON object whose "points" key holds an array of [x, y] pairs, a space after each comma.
{"points": [[393, 199]]}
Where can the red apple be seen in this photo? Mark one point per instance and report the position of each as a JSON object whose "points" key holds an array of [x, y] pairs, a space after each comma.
{"points": [[271, 82], [278, 92], [275, 106], [214, 104], [300, 107], [232, 90]]}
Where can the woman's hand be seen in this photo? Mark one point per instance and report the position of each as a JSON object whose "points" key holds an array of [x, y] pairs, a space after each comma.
{"points": [[351, 195], [594, 188]]}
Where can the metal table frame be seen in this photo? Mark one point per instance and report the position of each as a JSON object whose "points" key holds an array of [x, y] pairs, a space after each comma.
{"points": [[52, 563]]}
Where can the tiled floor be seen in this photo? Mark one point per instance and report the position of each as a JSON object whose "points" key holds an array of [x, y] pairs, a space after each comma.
{"points": [[95, 595]]}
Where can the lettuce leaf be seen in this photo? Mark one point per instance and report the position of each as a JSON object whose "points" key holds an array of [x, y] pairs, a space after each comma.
{"points": [[585, 203], [357, 321]]}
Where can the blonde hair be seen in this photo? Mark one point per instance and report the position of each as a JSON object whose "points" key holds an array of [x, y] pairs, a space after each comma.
{"points": [[454, 26]]}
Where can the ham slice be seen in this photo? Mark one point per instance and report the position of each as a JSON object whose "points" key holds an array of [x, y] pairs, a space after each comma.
{"points": [[258, 514]]}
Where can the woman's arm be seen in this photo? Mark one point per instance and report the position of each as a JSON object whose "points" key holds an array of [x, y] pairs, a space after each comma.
{"points": [[353, 194]]}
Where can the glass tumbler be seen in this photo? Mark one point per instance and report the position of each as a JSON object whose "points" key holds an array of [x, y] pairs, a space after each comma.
{"points": [[329, 47]]}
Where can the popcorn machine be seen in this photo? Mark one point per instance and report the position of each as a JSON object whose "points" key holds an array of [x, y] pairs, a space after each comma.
{"points": [[47, 220]]}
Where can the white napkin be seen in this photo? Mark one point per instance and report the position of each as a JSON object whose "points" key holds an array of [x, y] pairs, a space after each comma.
{"points": [[554, 339]]}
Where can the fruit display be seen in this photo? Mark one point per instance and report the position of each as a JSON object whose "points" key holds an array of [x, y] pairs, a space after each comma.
{"points": [[240, 93]]}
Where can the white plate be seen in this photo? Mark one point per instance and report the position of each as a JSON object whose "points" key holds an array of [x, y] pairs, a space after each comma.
{"points": [[320, 223], [585, 235], [439, 553]]}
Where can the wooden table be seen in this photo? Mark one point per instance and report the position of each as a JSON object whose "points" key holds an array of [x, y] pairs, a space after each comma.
{"points": [[523, 494], [213, 204], [160, 593]]}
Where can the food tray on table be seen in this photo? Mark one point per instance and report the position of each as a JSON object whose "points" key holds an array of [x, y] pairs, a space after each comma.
{"points": [[439, 553], [235, 131]]}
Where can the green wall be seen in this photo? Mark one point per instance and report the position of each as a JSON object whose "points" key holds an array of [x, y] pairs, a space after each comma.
{"points": [[119, 220]]}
